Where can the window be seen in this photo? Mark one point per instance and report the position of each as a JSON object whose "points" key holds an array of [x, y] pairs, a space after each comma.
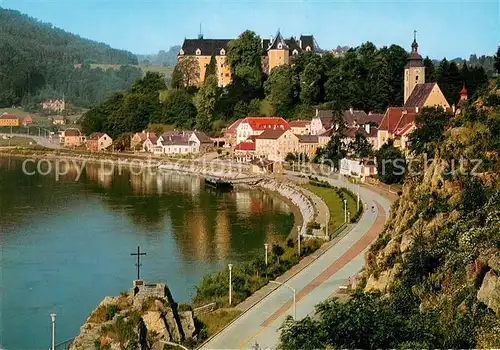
{"points": [[416, 78], [222, 65], [308, 48], [280, 46], [222, 52], [198, 52], [227, 74], [295, 52]]}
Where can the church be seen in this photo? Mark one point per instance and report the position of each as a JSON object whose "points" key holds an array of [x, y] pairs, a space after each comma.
{"points": [[399, 122], [276, 51]]}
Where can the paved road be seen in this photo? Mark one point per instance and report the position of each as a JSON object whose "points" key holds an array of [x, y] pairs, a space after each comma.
{"points": [[42, 141], [260, 325]]}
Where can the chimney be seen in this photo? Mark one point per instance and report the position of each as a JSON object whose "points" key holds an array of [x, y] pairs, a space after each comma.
{"points": [[351, 110], [453, 108], [316, 112], [416, 109], [147, 135], [367, 128]]}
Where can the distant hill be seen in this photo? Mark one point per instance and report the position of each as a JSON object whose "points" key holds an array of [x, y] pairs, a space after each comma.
{"points": [[39, 61], [162, 58]]}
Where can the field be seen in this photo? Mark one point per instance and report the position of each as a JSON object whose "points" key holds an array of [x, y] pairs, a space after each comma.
{"points": [[16, 141]]}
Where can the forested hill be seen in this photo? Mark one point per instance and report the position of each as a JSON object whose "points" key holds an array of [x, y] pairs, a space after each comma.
{"points": [[38, 61]]}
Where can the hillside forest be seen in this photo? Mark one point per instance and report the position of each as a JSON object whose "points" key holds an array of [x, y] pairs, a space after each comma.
{"points": [[38, 62], [366, 77]]}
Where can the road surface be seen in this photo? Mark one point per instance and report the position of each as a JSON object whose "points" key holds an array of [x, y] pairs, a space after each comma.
{"points": [[259, 326]]}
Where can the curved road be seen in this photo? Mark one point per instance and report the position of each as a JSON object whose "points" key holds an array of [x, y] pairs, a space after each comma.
{"points": [[259, 326]]}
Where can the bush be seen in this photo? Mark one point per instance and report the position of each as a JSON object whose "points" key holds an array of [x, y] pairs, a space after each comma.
{"points": [[104, 313]]}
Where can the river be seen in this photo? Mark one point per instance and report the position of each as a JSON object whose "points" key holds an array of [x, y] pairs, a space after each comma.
{"points": [[66, 244]]}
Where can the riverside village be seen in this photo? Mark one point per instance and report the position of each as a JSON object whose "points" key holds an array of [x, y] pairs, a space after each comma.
{"points": [[257, 192]]}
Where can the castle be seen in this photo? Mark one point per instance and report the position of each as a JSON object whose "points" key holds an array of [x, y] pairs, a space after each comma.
{"points": [[276, 51]]}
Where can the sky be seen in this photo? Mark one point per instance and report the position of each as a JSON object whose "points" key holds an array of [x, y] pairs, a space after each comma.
{"points": [[444, 28]]}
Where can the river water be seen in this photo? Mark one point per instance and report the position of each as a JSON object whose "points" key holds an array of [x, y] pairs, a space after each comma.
{"points": [[66, 244]]}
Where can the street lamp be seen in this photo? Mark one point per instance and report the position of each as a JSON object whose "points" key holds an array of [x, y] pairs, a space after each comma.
{"points": [[326, 225], [265, 246], [230, 283], [294, 301], [357, 202], [348, 216], [345, 210], [298, 239], [53, 317]]}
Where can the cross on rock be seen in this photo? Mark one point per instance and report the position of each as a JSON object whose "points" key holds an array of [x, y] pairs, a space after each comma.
{"points": [[138, 261]]}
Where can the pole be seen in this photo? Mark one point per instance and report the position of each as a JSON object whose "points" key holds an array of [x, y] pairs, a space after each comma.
{"points": [[294, 298], [326, 225], [348, 216], [345, 210], [265, 246], [357, 202], [230, 283], [53, 317], [298, 239]]}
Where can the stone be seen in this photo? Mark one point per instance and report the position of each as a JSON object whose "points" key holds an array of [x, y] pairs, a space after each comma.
{"points": [[489, 293], [494, 262], [173, 328], [155, 323], [406, 241], [187, 324]]}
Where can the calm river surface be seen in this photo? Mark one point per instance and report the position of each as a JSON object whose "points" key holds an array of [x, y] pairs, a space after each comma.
{"points": [[66, 244]]}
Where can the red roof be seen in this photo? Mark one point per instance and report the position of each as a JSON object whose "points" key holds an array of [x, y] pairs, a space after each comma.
{"points": [[393, 115], [266, 123], [245, 146], [231, 129], [8, 116], [299, 123], [463, 91]]}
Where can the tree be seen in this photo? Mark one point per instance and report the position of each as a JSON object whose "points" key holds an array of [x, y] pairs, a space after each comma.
{"points": [[281, 90], [390, 164], [310, 80], [430, 72], [334, 150], [245, 51], [211, 68], [497, 61], [151, 84], [186, 73], [178, 109], [205, 101], [432, 123], [278, 251], [360, 147], [303, 334]]}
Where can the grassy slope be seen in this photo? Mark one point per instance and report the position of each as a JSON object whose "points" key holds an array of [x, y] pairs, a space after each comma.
{"points": [[167, 71]]}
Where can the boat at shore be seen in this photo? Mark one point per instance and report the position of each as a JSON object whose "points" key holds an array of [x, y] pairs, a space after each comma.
{"points": [[218, 184]]}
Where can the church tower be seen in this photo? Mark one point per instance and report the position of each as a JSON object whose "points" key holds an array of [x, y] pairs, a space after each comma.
{"points": [[414, 69]]}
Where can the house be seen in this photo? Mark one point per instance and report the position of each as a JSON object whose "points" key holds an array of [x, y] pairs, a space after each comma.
{"points": [[54, 105], [357, 167], [7, 119], [201, 139], [27, 120], [395, 120], [275, 144], [71, 138], [175, 145], [245, 151], [230, 133], [300, 127], [276, 51], [324, 119], [257, 125], [144, 141], [308, 144], [98, 141], [59, 120], [262, 166]]}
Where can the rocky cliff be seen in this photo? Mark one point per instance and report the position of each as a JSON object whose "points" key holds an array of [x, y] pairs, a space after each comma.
{"points": [[139, 319]]}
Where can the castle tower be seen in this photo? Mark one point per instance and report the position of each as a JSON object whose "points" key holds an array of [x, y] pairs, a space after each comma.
{"points": [[414, 69], [278, 52]]}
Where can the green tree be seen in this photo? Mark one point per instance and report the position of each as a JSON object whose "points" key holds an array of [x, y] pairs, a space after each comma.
{"points": [[277, 251], [281, 89], [497, 61], [360, 147], [245, 52], [178, 109], [310, 84], [430, 71], [151, 84], [211, 68], [334, 150], [186, 73], [390, 164], [430, 133], [205, 101], [303, 334]]}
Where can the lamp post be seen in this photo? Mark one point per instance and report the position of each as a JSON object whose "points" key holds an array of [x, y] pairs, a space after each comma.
{"points": [[265, 246], [357, 202], [298, 239], [53, 317], [294, 301], [345, 210], [326, 225], [349, 216], [230, 283]]}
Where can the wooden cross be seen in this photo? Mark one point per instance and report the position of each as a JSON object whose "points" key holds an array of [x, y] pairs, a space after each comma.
{"points": [[138, 261]]}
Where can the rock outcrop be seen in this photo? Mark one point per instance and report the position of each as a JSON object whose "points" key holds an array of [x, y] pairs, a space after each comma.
{"points": [[141, 318]]}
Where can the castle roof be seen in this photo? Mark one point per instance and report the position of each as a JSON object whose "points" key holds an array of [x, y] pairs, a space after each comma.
{"points": [[208, 47]]}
